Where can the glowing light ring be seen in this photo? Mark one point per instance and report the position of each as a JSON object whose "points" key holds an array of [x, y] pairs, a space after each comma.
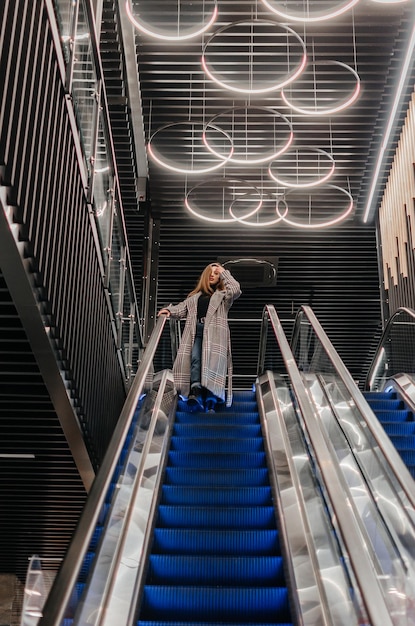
{"points": [[340, 106], [143, 28], [289, 79], [320, 181], [220, 181], [258, 161], [336, 220], [320, 16], [260, 224], [181, 170]]}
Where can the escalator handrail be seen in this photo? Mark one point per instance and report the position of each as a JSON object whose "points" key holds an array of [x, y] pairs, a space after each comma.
{"points": [[362, 565], [387, 448], [383, 340], [60, 594]]}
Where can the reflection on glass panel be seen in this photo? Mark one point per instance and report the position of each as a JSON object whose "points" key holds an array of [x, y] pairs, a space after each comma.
{"points": [[103, 186], [115, 266], [65, 11], [84, 85]]}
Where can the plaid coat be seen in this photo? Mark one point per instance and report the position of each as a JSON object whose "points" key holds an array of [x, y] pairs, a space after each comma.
{"points": [[216, 347]]}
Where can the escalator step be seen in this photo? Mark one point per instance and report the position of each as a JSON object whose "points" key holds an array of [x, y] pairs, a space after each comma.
{"points": [[408, 456], [399, 428], [221, 542], [152, 623], [380, 395], [217, 496], [214, 444], [220, 460], [391, 405], [217, 430], [216, 477], [393, 416], [216, 570], [215, 517], [403, 442], [226, 604], [213, 418]]}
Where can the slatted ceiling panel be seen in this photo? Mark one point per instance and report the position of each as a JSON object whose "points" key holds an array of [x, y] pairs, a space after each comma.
{"points": [[41, 497]]}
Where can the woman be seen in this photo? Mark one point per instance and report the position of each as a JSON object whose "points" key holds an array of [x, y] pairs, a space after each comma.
{"points": [[204, 356]]}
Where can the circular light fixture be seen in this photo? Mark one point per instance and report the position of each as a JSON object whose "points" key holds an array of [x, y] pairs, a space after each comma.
{"points": [[312, 212], [182, 33], [298, 169], [251, 49], [185, 139], [255, 133], [319, 15], [211, 199], [269, 213], [325, 88]]}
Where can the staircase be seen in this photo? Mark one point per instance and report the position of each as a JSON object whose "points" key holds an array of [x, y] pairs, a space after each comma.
{"points": [[215, 556], [398, 423]]}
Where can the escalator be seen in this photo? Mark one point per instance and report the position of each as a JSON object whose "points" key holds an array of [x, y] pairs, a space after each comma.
{"points": [[216, 554], [398, 422], [244, 516]]}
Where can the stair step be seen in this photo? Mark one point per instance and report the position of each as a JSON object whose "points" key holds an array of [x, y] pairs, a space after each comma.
{"points": [[215, 517], [215, 444], [232, 571], [183, 417], [391, 405], [380, 395], [401, 415], [220, 460], [238, 542], [216, 477], [399, 428], [216, 496], [217, 430], [227, 604]]}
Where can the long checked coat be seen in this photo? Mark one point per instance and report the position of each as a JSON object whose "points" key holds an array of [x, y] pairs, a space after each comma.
{"points": [[216, 346]]}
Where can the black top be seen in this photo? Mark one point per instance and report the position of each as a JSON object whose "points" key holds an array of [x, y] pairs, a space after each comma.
{"points": [[202, 305]]}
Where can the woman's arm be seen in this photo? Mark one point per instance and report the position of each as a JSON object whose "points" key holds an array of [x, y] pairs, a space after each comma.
{"points": [[177, 311], [232, 287]]}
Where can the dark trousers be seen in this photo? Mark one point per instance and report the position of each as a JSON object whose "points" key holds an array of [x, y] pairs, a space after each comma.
{"points": [[196, 366], [196, 361]]}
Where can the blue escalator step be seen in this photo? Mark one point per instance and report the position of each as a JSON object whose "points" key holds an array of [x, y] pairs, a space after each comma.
{"points": [[216, 496], [391, 405], [183, 417], [403, 442], [408, 456], [221, 542], [216, 444], [226, 604], [215, 517], [185, 570], [401, 415], [218, 460], [380, 395], [217, 430], [240, 623], [86, 565], [216, 476], [399, 428]]}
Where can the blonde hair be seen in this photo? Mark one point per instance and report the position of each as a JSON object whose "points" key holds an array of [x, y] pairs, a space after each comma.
{"points": [[203, 284]]}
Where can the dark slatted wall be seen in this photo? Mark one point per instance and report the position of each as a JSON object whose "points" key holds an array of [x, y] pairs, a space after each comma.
{"points": [[335, 272]]}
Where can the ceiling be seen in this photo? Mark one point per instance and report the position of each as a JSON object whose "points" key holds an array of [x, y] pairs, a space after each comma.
{"points": [[158, 92], [250, 47]]}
